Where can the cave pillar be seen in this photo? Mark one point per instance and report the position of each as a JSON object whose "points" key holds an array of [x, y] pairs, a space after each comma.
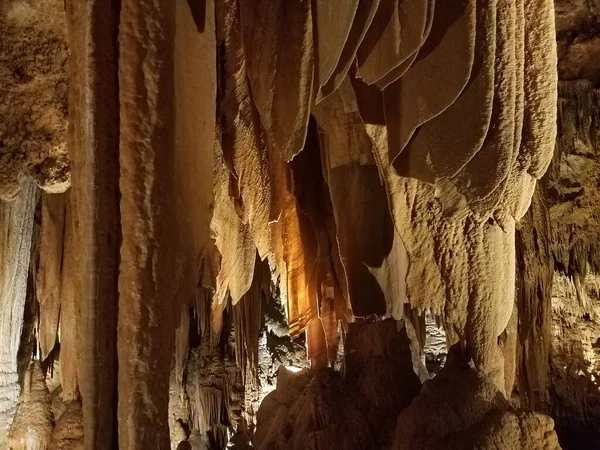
{"points": [[147, 138], [94, 149], [167, 94]]}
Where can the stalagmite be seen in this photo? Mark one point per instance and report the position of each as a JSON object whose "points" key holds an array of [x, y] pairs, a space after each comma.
{"points": [[461, 408], [68, 432], [326, 410], [16, 220], [34, 422]]}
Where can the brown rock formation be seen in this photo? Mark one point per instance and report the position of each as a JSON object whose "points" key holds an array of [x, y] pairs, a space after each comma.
{"points": [[324, 409], [16, 222], [574, 369], [462, 408], [93, 142], [68, 432], [356, 169], [33, 424], [34, 91]]}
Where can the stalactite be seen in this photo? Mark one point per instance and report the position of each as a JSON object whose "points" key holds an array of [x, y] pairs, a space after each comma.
{"points": [[233, 240], [93, 138], [214, 383], [242, 137], [182, 347], [573, 220], [371, 157], [371, 274], [332, 26], [16, 220], [195, 80], [538, 135], [49, 272], [414, 209], [427, 155], [314, 201], [33, 87], [391, 38], [29, 344], [69, 310], [534, 293], [360, 25], [453, 38], [508, 341], [247, 320], [573, 173], [299, 254], [497, 152], [278, 44]]}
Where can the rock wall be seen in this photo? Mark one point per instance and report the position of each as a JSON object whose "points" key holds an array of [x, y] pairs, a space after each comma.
{"points": [[574, 213]]}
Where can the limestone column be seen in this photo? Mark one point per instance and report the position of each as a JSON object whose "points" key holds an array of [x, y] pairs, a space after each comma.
{"points": [[94, 150]]}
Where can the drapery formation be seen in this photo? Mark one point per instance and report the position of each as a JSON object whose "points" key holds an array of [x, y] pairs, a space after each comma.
{"points": [[429, 142], [16, 222], [376, 155]]}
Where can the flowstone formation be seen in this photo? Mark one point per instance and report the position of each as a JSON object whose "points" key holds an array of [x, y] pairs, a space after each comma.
{"points": [[299, 224], [34, 88]]}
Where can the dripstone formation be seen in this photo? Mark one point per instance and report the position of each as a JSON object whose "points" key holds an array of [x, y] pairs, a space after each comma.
{"points": [[299, 224]]}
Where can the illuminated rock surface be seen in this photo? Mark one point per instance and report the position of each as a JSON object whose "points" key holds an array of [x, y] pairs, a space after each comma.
{"points": [[264, 224]]}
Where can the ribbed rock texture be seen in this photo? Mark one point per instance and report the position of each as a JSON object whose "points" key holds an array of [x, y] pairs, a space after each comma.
{"points": [[16, 223], [262, 183], [33, 424]]}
